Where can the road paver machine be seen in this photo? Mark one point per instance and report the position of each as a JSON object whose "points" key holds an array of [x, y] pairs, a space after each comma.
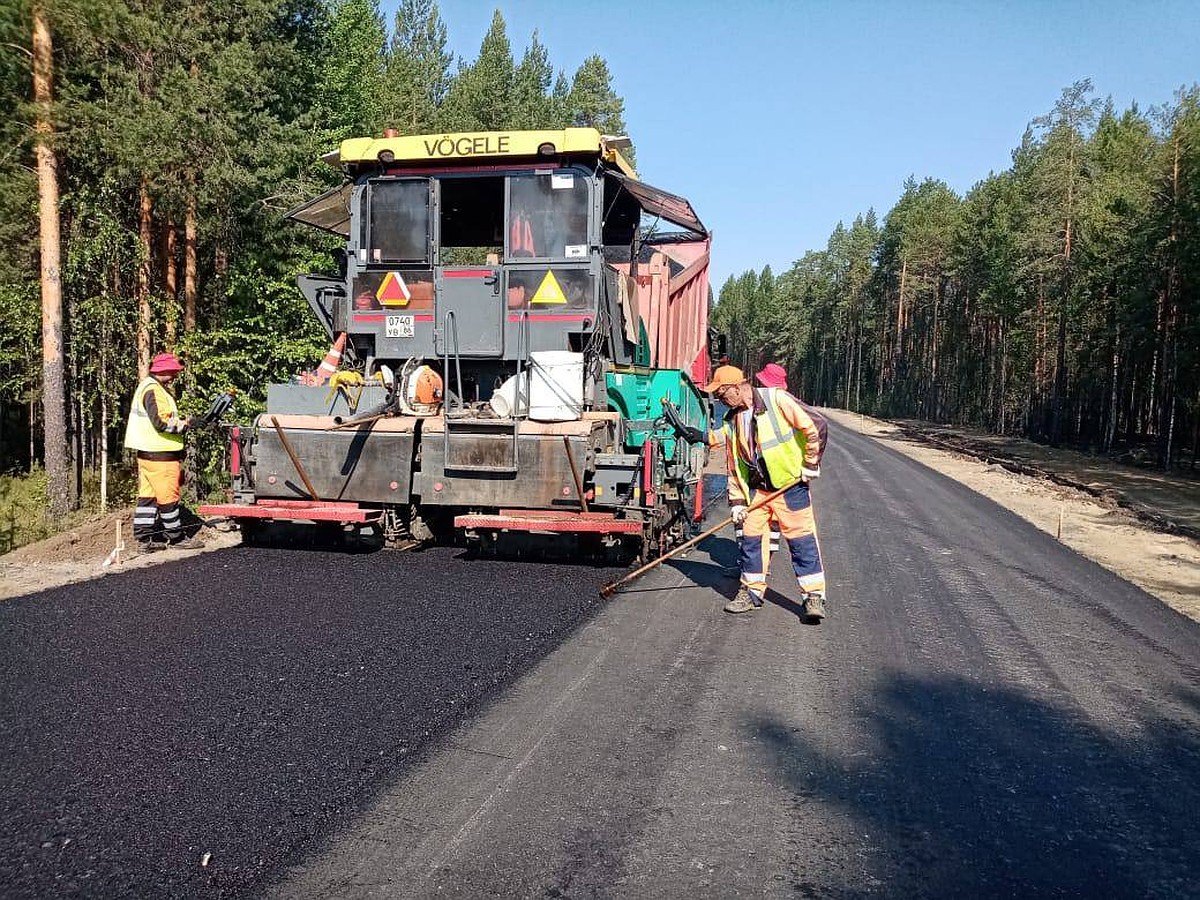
{"points": [[519, 326]]}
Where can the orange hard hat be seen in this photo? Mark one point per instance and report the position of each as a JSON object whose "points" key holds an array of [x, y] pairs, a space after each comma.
{"points": [[725, 376]]}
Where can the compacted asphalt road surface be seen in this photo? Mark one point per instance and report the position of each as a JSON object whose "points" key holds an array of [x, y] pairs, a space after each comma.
{"points": [[985, 713]]}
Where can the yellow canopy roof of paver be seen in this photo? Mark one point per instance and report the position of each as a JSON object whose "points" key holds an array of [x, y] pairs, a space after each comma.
{"points": [[479, 145]]}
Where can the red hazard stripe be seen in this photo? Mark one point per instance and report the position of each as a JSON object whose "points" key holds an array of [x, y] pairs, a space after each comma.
{"points": [[550, 317], [467, 273]]}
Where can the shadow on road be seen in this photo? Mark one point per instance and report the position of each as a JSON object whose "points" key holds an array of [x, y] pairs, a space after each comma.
{"points": [[974, 790]]}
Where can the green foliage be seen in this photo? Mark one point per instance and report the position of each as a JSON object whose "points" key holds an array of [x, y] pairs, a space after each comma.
{"points": [[481, 97], [270, 335], [593, 102], [417, 76], [350, 89], [533, 104], [23, 509], [23, 518]]}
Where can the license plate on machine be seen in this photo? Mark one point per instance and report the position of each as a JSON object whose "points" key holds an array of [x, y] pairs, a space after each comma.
{"points": [[399, 327]]}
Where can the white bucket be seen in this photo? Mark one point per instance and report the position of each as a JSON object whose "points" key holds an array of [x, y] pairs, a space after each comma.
{"points": [[504, 398], [556, 386]]}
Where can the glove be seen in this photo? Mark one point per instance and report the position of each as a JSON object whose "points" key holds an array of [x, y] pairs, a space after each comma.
{"points": [[810, 474], [738, 513], [688, 432]]}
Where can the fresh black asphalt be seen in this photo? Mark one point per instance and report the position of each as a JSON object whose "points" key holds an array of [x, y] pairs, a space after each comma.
{"points": [[243, 704]]}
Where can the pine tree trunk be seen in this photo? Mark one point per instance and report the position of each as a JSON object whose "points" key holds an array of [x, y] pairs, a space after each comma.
{"points": [[1060, 375], [1110, 430], [858, 371], [189, 259], [103, 453], [54, 395], [170, 282], [1170, 354], [1003, 379], [934, 398], [900, 320], [145, 313], [104, 415]]}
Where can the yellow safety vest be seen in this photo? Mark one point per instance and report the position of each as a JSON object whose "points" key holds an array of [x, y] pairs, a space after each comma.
{"points": [[140, 433], [781, 446]]}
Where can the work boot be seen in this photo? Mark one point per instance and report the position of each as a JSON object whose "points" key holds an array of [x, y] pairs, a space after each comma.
{"points": [[188, 543], [743, 602], [150, 546], [814, 606]]}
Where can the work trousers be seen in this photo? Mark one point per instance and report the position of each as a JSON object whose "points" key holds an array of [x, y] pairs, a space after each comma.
{"points": [[775, 536], [794, 513], [156, 516]]}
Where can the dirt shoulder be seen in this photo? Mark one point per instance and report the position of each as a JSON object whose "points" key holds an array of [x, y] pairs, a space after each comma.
{"points": [[1114, 515], [81, 553]]}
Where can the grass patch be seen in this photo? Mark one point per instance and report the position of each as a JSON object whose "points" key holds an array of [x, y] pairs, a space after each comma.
{"points": [[23, 515]]}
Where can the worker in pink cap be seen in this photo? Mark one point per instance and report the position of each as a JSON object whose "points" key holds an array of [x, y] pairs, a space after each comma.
{"points": [[772, 376], [155, 432]]}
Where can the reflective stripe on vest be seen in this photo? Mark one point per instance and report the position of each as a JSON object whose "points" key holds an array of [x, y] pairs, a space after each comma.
{"points": [[739, 468], [782, 447], [140, 433]]}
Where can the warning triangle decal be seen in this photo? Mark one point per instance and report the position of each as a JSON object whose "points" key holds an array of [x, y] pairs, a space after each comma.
{"points": [[393, 291], [549, 291]]}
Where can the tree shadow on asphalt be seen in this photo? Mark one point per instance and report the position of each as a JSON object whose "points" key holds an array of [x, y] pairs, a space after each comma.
{"points": [[974, 790]]}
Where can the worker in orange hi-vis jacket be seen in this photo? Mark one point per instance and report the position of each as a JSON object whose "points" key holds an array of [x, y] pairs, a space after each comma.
{"points": [[772, 375], [773, 443]]}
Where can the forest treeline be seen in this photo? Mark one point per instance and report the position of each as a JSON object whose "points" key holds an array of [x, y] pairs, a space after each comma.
{"points": [[174, 136], [1058, 299]]}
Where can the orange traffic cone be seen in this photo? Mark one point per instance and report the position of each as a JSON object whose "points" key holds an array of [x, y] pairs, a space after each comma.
{"points": [[329, 364]]}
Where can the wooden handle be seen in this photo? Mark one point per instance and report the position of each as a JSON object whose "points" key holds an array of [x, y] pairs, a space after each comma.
{"points": [[609, 589], [575, 474], [287, 446]]}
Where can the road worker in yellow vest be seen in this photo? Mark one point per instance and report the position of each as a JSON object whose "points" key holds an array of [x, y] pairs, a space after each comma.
{"points": [[774, 442], [155, 431]]}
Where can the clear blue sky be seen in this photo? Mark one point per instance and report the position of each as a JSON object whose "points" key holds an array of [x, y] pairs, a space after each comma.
{"points": [[779, 119]]}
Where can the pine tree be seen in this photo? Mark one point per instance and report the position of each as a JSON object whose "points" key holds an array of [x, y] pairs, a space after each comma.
{"points": [[480, 98], [418, 77], [592, 102], [532, 101], [351, 87], [54, 398]]}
